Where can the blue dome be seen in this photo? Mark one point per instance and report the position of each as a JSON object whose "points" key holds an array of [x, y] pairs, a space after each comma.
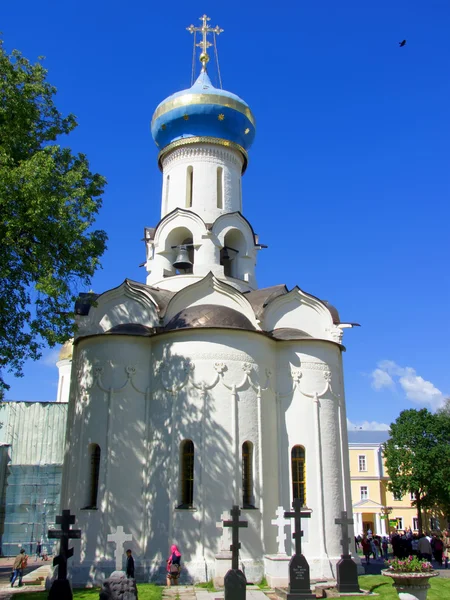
{"points": [[203, 111]]}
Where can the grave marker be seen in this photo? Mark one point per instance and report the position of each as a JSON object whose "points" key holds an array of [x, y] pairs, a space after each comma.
{"points": [[119, 538], [281, 523], [235, 581], [299, 580], [347, 570], [61, 589]]}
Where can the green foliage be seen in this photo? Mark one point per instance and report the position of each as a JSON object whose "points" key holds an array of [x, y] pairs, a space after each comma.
{"points": [[263, 585], [412, 564], [381, 585], [209, 585], [48, 203], [418, 457]]}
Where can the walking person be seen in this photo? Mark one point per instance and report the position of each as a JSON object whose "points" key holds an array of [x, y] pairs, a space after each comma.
{"points": [[366, 549], [173, 566], [384, 547], [424, 548], [130, 565], [19, 564], [38, 550], [446, 552], [438, 549]]}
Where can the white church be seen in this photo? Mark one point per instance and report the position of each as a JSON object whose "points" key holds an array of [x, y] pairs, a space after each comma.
{"points": [[197, 390]]}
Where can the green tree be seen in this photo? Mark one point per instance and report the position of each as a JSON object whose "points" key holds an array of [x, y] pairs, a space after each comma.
{"points": [[48, 203], [417, 458]]}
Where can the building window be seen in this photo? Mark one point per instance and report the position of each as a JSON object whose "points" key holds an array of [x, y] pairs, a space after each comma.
{"points": [[412, 496], [247, 475], [364, 492], [219, 187], [189, 186], [415, 523], [362, 462], [94, 473], [435, 524], [298, 474], [166, 196], [397, 496], [399, 522], [187, 474]]}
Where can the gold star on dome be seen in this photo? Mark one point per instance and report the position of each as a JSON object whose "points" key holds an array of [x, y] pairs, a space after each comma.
{"points": [[247, 131], [186, 117], [163, 126], [221, 117]]}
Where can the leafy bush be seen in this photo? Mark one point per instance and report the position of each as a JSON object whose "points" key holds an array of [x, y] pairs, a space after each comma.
{"points": [[412, 564]]}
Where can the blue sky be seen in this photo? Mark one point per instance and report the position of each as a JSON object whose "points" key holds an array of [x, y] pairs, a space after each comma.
{"points": [[348, 181]]}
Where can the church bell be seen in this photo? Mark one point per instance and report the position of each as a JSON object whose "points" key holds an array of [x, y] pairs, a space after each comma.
{"points": [[182, 261]]}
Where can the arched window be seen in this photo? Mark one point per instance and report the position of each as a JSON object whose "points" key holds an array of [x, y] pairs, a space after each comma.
{"points": [[240, 194], [219, 187], [166, 198], [189, 186], [187, 474], [248, 500], [298, 474], [94, 472]]}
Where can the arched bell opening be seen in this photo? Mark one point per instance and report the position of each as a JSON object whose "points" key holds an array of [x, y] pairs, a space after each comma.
{"points": [[233, 250], [180, 251]]}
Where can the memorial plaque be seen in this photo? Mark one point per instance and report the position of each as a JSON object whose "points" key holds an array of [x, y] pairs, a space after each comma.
{"points": [[299, 574], [347, 576], [235, 585]]}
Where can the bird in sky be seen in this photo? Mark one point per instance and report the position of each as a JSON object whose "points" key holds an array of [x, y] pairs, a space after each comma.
{"points": [[402, 43]]}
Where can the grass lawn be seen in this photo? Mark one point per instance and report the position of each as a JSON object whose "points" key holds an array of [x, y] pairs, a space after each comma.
{"points": [[440, 587], [146, 591]]}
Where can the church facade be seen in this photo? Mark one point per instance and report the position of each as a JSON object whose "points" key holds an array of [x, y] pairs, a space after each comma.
{"points": [[196, 390]]}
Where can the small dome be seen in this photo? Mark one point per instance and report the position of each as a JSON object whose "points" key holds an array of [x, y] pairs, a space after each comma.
{"points": [[66, 351], [203, 111], [209, 315]]}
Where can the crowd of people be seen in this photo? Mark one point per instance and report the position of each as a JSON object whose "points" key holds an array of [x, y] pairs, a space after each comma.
{"points": [[426, 546]]}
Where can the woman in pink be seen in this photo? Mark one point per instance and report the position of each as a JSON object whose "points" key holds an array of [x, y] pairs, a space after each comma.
{"points": [[173, 566]]}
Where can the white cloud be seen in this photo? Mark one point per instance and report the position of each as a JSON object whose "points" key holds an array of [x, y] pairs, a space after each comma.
{"points": [[51, 358], [367, 426], [416, 388], [381, 379]]}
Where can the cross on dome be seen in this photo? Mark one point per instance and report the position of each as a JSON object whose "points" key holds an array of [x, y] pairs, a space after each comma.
{"points": [[204, 44]]}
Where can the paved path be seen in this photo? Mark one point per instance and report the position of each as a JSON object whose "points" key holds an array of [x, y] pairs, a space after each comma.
{"points": [[186, 592]]}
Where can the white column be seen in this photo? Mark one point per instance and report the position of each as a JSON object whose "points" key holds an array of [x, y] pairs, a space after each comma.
{"points": [[383, 527], [378, 524], [359, 523]]}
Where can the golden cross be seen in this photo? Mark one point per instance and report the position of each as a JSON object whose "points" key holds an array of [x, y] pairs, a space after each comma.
{"points": [[204, 44]]}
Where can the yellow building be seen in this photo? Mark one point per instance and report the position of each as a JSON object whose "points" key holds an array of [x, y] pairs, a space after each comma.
{"points": [[371, 498]]}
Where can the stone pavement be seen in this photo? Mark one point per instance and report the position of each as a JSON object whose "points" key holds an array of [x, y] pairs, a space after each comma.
{"points": [[186, 592]]}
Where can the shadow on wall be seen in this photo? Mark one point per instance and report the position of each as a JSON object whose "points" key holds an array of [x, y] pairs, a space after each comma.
{"points": [[141, 461]]}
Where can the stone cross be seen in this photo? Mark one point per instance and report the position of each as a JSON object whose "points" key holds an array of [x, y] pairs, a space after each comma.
{"points": [[64, 535], [344, 522], [225, 540], [281, 523], [235, 524], [297, 515], [119, 538]]}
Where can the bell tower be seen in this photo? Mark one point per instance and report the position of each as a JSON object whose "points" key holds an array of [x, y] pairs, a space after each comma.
{"points": [[203, 134]]}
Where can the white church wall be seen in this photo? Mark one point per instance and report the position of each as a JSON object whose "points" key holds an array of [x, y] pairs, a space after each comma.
{"points": [[64, 367], [204, 159], [310, 419], [299, 311], [109, 410], [210, 290]]}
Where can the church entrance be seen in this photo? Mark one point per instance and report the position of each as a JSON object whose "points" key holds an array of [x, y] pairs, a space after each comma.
{"points": [[367, 525]]}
